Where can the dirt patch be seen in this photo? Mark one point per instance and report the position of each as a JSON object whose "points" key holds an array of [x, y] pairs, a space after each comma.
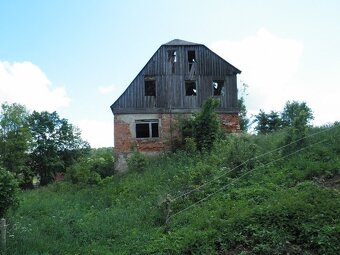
{"points": [[333, 182]]}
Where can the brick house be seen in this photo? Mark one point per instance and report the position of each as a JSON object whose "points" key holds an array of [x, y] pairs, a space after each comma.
{"points": [[177, 79]]}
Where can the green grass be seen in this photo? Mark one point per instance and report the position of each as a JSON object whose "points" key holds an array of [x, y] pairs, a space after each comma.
{"points": [[267, 206]]}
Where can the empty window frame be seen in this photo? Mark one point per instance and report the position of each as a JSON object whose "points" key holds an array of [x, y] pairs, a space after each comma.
{"points": [[172, 59], [190, 88], [150, 86], [191, 58], [147, 128], [218, 88]]}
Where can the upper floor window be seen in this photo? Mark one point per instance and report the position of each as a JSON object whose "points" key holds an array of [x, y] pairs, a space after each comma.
{"points": [[147, 128], [150, 86], [190, 88], [172, 59], [191, 58], [218, 88]]}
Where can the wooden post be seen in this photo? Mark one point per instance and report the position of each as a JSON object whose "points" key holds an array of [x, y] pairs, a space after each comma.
{"points": [[3, 232], [168, 201]]}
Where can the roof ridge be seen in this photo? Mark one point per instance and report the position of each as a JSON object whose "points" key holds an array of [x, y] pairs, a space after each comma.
{"points": [[180, 42]]}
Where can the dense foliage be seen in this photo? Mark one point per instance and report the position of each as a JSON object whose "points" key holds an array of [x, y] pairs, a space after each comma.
{"points": [[56, 144], [202, 129], [38, 144], [294, 114], [15, 138], [247, 196], [8, 191]]}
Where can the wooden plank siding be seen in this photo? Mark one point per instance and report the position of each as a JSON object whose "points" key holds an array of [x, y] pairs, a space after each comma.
{"points": [[170, 82]]}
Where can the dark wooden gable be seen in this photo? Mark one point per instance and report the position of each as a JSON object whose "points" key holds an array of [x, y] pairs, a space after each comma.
{"points": [[176, 67]]}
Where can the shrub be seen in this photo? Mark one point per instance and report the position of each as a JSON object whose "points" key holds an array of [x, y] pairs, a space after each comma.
{"points": [[8, 191], [137, 162], [82, 173], [102, 161], [206, 125]]}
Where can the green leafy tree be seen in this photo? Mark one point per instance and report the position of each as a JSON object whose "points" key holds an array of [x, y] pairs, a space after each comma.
{"points": [[8, 191], [262, 122], [275, 122], [294, 110], [297, 132], [206, 125], [267, 122], [56, 144], [15, 141], [296, 117], [102, 161], [244, 120]]}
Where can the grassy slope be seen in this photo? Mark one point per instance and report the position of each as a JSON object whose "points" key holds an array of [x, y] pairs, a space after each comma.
{"points": [[263, 207]]}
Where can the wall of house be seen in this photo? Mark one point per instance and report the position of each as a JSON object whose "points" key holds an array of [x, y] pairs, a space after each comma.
{"points": [[125, 133], [230, 122], [170, 84]]}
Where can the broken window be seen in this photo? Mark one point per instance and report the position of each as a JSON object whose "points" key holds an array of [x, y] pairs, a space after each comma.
{"points": [[218, 88], [147, 128], [191, 58], [172, 59], [190, 88], [150, 86]]}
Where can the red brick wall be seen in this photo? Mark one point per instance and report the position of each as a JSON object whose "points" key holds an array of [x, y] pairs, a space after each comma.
{"points": [[231, 122], [125, 142], [122, 135]]}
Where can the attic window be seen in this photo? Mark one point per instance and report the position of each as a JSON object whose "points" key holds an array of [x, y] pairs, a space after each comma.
{"points": [[218, 87], [190, 88], [172, 56], [147, 128], [150, 86], [191, 58], [172, 59]]}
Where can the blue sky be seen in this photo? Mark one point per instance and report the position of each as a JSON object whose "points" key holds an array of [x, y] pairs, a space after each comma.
{"points": [[77, 57]]}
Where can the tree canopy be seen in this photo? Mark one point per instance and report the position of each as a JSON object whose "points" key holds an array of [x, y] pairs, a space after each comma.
{"points": [[37, 144]]}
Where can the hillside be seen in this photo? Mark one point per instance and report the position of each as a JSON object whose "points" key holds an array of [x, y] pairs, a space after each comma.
{"points": [[250, 195]]}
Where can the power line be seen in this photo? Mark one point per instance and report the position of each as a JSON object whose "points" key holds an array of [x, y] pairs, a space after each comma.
{"points": [[236, 179], [248, 160]]}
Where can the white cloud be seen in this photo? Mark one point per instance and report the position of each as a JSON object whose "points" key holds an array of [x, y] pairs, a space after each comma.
{"points": [[269, 65], [272, 67], [97, 133], [25, 83]]}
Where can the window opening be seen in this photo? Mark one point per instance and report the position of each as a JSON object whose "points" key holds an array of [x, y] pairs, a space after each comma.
{"points": [[190, 88], [218, 88], [147, 128], [191, 58], [150, 86], [172, 59]]}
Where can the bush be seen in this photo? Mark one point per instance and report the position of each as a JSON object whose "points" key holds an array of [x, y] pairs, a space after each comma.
{"points": [[82, 173], [137, 162], [102, 161], [8, 191], [206, 125]]}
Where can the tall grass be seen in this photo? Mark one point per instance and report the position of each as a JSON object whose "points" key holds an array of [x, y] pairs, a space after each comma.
{"points": [[267, 205]]}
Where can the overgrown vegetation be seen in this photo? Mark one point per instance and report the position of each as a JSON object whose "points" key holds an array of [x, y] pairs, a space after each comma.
{"points": [[8, 191], [37, 144], [276, 192], [247, 196], [202, 129]]}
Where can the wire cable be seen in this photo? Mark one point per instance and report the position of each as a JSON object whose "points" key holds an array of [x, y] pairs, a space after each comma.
{"points": [[236, 179], [248, 160]]}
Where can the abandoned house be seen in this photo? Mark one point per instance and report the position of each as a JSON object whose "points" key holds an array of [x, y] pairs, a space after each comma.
{"points": [[177, 79]]}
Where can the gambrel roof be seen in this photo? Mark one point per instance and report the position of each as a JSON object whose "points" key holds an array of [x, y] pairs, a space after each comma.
{"points": [[180, 42], [170, 79]]}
